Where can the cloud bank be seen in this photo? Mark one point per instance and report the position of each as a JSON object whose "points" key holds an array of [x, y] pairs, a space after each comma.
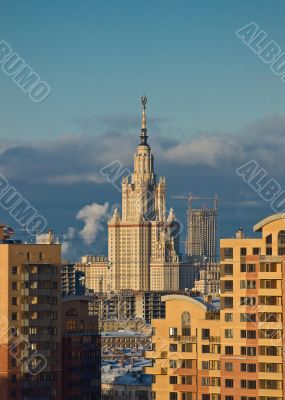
{"points": [[62, 176]]}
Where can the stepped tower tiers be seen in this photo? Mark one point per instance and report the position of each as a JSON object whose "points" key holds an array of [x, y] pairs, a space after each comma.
{"points": [[142, 237]]}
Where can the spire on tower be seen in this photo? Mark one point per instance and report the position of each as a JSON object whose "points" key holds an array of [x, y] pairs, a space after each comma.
{"points": [[143, 135]]}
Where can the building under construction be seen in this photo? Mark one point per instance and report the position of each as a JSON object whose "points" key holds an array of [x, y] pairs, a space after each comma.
{"points": [[201, 241]]}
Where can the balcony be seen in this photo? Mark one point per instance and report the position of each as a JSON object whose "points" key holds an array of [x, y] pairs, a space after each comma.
{"points": [[215, 339], [185, 339]]}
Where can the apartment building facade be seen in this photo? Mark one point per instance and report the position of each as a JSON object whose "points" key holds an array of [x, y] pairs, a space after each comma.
{"points": [[236, 353], [30, 351]]}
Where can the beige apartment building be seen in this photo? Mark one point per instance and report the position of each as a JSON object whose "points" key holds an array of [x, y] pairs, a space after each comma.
{"points": [[142, 247], [237, 352]]}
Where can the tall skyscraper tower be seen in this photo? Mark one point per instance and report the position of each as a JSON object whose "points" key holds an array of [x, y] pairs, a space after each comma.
{"points": [[201, 241], [142, 248]]}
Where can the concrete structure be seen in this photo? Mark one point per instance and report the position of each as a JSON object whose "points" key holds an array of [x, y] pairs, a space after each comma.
{"points": [[143, 241], [125, 340], [81, 350], [97, 274], [209, 280], [201, 241], [114, 325], [30, 350], [128, 305], [72, 280], [237, 353]]}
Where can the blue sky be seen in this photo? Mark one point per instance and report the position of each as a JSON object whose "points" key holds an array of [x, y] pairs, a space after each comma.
{"points": [[206, 89], [100, 56]]}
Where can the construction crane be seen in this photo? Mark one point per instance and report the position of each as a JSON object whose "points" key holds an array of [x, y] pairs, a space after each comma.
{"points": [[190, 197]]}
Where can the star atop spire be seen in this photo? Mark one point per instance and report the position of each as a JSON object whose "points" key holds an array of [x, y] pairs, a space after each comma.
{"points": [[143, 135]]}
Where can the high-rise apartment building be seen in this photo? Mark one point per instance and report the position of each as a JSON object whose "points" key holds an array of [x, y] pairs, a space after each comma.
{"points": [[237, 352], [43, 339], [201, 241], [30, 351], [143, 245]]}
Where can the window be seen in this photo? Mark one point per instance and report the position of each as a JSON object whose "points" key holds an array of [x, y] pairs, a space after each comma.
{"points": [[228, 252], [247, 284], [14, 285], [14, 301], [270, 351], [186, 347], [247, 367], [248, 334], [173, 396], [172, 364], [185, 323], [228, 317], [228, 286], [229, 350], [228, 302], [229, 397], [228, 269], [268, 267], [29, 256], [250, 267], [243, 268], [256, 251], [248, 351], [229, 333], [14, 270], [205, 348], [186, 363], [228, 366], [244, 384], [205, 334], [71, 325], [268, 251], [247, 317], [229, 383], [173, 380], [172, 347], [247, 301], [270, 367], [186, 380], [243, 251], [41, 256], [172, 332], [205, 365], [281, 243], [268, 283], [14, 316]]}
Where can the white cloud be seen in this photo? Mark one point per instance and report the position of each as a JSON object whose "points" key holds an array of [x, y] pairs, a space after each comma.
{"points": [[93, 216]]}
